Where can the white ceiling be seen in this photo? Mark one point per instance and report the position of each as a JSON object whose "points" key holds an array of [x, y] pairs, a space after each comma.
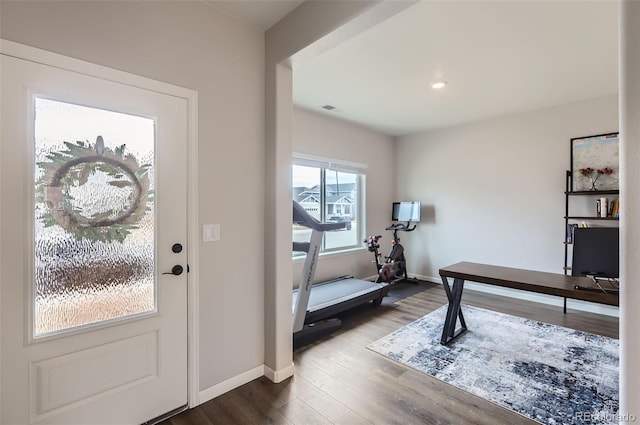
{"points": [[498, 57]]}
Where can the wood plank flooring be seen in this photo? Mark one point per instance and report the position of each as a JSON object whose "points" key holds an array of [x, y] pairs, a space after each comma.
{"points": [[339, 381]]}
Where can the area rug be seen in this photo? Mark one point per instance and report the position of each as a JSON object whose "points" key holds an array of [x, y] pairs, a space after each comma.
{"points": [[548, 373]]}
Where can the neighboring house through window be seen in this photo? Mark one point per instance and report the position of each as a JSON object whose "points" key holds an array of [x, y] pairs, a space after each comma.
{"points": [[330, 191]]}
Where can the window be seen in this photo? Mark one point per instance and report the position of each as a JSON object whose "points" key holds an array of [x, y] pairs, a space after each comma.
{"points": [[94, 232], [330, 191]]}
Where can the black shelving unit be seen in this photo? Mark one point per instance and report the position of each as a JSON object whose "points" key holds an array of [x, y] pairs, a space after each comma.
{"points": [[568, 218]]}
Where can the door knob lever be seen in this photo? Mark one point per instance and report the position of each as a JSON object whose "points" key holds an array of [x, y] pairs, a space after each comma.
{"points": [[175, 270]]}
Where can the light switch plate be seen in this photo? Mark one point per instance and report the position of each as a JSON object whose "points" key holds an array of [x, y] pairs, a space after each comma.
{"points": [[210, 232]]}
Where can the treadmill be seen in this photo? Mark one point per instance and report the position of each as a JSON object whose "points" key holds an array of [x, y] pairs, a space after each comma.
{"points": [[315, 306]]}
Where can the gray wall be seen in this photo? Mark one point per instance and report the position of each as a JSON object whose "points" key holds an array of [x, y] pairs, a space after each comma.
{"points": [[191, 45], [309, 30], [319, 134], [493, 191]]}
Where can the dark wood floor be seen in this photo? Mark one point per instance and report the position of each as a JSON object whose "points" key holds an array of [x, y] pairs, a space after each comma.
{"points": [[339, 381]]}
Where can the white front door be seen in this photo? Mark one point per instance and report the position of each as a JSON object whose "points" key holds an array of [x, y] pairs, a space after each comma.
{"points": [[93, 222]]}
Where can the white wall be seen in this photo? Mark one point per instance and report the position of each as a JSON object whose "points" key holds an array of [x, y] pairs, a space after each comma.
{"points": [[630, 191], [493, 191], [318, 134], [191, 45]]}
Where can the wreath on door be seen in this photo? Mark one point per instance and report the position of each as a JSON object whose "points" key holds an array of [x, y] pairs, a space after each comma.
{"points": [[94, 192]]}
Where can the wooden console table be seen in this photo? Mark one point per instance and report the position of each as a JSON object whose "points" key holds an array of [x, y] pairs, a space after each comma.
{"points": [[527, 280]]}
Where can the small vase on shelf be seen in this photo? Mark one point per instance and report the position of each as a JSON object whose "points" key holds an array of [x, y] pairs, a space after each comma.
{"points": [[594, 175]]}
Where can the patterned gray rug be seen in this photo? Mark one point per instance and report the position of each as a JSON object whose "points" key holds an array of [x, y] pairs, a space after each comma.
{"points": [[548, 373]]}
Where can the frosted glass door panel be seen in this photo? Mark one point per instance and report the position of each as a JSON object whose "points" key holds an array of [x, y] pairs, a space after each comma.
{"points": [[94, 256]]}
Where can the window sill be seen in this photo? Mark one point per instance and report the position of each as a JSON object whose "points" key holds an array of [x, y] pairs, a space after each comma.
{"points": [[357, 250]]}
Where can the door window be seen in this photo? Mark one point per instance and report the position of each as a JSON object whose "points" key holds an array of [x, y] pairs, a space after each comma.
{"points": [[94, 251]]}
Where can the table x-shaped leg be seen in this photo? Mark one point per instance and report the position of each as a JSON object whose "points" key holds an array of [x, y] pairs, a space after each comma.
{"points": [[449, 332]]}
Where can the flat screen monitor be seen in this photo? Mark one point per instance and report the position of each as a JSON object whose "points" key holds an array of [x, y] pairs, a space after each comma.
{"points": [[596, 251], [406, 211]]}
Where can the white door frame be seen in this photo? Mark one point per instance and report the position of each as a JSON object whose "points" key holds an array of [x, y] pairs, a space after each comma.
{"points": [[44, 57]]}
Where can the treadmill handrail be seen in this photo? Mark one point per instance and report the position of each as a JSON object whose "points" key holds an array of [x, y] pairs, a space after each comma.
{"points": [[303, 218]]}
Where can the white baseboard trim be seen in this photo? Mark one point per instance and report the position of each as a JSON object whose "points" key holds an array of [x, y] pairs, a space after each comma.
{"points": [[425, 278], [277, 376], [231, 383], [534, 297]]}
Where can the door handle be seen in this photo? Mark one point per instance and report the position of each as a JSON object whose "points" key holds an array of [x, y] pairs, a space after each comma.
{"points": [[176, 270]]}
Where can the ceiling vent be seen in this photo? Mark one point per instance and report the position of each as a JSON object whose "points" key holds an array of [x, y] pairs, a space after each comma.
{"points": [[329, 107]]}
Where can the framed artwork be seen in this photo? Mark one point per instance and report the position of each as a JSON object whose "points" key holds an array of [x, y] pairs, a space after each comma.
{"points": [[595, 162]]}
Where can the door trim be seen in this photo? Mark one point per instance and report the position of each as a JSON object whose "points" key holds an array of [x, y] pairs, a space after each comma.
{"points": [[45, 57]]}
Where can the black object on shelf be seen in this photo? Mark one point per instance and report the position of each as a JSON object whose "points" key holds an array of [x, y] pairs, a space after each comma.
{"points": [[596, 252], [572, 228]]}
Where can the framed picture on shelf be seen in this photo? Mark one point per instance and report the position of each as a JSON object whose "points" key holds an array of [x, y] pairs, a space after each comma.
{"points": [[595, 162]]}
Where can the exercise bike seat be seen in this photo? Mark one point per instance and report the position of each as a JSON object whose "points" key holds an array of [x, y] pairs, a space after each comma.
{"points": [[303, 218]]}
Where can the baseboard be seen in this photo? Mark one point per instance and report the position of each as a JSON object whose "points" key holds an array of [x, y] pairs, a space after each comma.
{"points": [[532, 296], [425, 278], [231, 383], [277, 376], [410, 276]]}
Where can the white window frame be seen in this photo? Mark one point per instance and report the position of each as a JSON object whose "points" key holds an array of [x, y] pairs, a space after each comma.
{"points": [[332, 164]]}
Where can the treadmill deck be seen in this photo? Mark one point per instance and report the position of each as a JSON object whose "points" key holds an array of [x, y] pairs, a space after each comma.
{"points": [[327, 299]]}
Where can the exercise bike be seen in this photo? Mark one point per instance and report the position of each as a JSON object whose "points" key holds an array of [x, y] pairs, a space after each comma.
{"points": [[394, 266]]}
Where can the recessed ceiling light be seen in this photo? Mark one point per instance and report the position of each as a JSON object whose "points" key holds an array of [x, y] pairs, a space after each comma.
{"points": [[438, 84], [328, 107]]}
